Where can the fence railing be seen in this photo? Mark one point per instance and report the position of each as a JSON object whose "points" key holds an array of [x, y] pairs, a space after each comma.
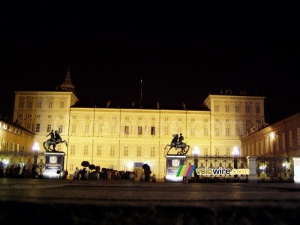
{"points": [[274, 169], [268, 169]]}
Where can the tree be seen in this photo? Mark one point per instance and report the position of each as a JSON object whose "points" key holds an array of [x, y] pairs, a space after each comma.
{"points": [[85, 164], [147, 172], [92, 167]]}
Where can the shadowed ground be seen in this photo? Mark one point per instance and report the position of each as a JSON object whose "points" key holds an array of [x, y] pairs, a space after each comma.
{"points": [[133, 202]]}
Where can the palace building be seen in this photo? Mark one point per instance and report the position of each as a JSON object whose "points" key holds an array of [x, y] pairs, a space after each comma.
{"points": [[125, 138]]}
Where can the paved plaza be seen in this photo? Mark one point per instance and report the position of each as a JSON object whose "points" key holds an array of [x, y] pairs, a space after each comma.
{"points": [[134, 202]]}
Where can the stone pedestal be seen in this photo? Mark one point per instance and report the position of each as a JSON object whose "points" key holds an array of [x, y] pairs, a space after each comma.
{"points": [[173, 163], [296, 169], [252, 177], [54, 166]]}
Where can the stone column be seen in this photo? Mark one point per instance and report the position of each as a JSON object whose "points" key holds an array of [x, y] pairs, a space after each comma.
{"points": [[252, 177]]}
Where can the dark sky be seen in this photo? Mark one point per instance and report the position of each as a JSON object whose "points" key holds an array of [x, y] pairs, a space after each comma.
{"points": [[181, 51]]}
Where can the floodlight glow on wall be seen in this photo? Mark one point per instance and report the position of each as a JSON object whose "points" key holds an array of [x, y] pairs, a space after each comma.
{"points": [[196, 151], [235, 151]]}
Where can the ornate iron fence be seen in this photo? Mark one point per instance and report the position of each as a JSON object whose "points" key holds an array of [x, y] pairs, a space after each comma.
{"points": [[268, 169], [22, 158], [221, 163], [275, 169]]}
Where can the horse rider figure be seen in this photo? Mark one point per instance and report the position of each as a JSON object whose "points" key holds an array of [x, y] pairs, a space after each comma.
{"points": [[175, 140], [180, 139], [51, 134], [57, 137]]}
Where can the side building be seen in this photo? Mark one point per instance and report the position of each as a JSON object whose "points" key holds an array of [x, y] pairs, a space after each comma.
{"points": [[281, 139], [126, 138], [16, 144]]}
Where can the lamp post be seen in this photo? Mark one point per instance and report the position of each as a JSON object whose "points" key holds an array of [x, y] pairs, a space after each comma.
{"points": [[196, 153], [35, 148], [235, 153]]}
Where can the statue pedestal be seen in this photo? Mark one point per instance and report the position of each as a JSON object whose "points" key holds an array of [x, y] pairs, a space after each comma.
{"points": [[296, 169], [54, 166], [173, 164]]}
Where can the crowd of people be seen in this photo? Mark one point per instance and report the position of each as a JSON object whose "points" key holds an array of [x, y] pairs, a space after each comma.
{"points": [[18, 171], [36, 172], [85, 174]]}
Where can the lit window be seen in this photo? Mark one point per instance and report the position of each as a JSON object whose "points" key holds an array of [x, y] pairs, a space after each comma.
{"points": [[125, 150], [152, 130], [140, 130], [48, 128], [152, 152], [38, 127], [85, 150], [126, 129]]}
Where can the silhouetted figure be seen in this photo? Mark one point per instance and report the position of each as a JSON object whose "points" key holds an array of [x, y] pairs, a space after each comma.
{"points": [[51, 134], [175, 139], [147, 172], [57, 137], [76, 174], [1, 169], [180, 139]]}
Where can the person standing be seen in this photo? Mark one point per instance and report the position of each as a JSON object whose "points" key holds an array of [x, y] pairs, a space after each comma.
{"points": [[1, 169], [76, 174]]}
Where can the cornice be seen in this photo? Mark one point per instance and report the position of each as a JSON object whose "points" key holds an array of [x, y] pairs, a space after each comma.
{"points": [[35, 93], [142, 111], [222, 97]]}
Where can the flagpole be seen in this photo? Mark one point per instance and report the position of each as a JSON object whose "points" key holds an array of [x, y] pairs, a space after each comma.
{"points": [[141, 93]]}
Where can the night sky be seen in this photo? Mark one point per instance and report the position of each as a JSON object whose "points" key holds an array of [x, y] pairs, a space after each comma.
{"points": [[181, 51]]}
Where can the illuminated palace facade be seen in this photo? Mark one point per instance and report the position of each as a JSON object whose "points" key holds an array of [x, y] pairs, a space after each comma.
{"points": [[120, 138]]}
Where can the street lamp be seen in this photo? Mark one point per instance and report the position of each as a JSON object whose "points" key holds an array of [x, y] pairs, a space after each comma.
{"points": [[196, 153], [235, 153], [35, 148]]}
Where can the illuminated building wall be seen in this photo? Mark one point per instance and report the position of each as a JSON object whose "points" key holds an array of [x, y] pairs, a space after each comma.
{"points": [[121, 138], [14, 139], [281, 139], [118, 138]]}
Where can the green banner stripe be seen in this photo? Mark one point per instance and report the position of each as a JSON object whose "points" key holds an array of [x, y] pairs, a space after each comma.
{"points": [[179, 171]]}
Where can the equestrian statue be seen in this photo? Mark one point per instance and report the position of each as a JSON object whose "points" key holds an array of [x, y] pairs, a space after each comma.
{"points": [[177, 143], [55, 139]]}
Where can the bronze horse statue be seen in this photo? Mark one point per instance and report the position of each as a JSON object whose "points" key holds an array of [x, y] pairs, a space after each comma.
{"points": [[47, 144], [174, 144]]}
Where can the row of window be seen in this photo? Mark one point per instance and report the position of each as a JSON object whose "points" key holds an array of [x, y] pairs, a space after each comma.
{"points": [[29, 103], [29, 116], [238, 109], [112, 151], [10, 128], [9, 146], [267, 145], [239, 130], [49, 128]]}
